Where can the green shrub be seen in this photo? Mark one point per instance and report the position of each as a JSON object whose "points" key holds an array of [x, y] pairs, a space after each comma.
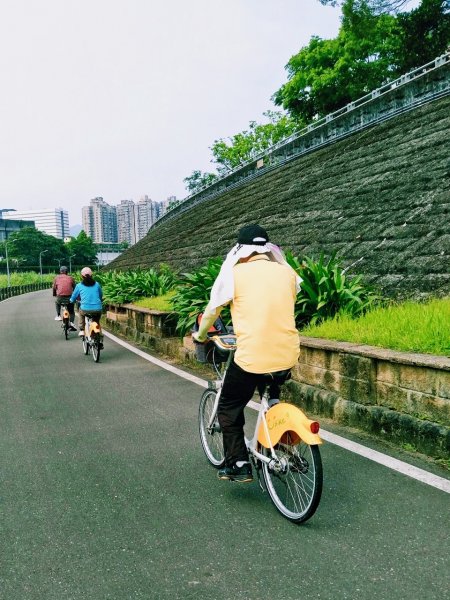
{"points": [[120, 287], [326, 290], [192, 295], [26, 278]]}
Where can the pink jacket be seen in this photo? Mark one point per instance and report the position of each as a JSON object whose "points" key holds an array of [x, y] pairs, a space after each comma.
{"points": [[63, 285]]}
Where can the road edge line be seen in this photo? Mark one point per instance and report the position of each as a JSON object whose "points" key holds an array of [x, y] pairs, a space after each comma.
{"points": [[383, 459]]}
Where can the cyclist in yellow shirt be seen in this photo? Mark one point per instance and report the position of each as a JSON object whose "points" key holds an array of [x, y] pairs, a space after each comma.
{"points": [[261, 289]]}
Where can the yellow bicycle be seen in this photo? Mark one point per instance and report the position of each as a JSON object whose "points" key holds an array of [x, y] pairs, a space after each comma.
{"points": [[284, 445]]}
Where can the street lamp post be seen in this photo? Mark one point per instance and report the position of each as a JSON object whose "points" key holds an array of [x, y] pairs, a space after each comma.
{"points": [[70, 262], [7, 264], [40, 261]]}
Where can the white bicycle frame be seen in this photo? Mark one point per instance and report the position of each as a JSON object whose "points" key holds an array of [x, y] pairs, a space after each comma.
{"points": [[251, 443]]}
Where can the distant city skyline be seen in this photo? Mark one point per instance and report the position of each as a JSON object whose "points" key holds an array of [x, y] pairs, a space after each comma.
{"points": [[113, 100], [128, 221]]}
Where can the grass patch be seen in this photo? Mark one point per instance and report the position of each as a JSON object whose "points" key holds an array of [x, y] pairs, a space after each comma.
{"points": [[408, 327], [163, 303], [26, 278]]}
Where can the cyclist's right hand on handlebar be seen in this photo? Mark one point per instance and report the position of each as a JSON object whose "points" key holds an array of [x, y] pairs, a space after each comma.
{"points": [[195, 338]]}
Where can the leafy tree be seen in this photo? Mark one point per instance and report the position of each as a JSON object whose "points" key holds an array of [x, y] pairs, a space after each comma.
{"points": [[82, 250], [248, 144], [327, 74], [198, 180], [27, 244], [377, 6], [371, 48], [424, 34]]}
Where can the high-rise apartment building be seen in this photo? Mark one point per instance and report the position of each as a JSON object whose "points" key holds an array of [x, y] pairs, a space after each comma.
{"points": [[53, 221], [148, 211], [127, 222], [100, 221]]}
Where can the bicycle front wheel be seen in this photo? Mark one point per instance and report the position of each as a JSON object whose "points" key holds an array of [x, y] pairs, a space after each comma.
{"points": [[210, 435], [66, 329], [85, 345], [294, 481]]}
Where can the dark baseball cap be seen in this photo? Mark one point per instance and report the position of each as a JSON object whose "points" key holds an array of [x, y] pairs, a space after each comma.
{"points": [[254, 235]]}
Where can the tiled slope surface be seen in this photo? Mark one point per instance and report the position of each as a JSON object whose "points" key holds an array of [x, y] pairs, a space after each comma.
{"points": [[382, 196]]}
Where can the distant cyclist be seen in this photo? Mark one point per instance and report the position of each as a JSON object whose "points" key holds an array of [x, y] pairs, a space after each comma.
{"points": [[261, 289], [63, 286], [90, 293]]}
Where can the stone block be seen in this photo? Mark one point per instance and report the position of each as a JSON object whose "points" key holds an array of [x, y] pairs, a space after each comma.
{"points": [[444, 385], [429, 408], [318, 357], [392, 397], [387, 372], [420, 379], [357, 390], [311, 375], [357, 367]]}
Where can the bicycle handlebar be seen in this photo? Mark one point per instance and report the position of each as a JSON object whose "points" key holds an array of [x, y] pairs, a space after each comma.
{"points": [[224, 341]]}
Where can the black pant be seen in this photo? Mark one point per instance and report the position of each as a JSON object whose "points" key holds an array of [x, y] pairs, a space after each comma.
{"points": [[70, 307], [238, 388]]}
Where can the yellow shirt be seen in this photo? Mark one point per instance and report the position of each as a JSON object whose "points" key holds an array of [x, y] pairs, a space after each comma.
{"points": [[263, 315]]}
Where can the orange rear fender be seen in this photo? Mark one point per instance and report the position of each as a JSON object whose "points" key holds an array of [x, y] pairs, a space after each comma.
{"points": [[284, 418], [94, 328]]}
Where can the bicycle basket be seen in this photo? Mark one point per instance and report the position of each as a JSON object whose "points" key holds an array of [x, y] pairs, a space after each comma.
{"points": [[210, 353]]}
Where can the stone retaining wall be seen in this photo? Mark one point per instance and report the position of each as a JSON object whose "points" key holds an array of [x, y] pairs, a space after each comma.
{"points": [[380, 198], [401, 397]]}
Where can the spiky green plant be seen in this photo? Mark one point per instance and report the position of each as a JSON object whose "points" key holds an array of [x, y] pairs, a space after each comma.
{"points": [[120, 287], [326, 290], [192, 295]]}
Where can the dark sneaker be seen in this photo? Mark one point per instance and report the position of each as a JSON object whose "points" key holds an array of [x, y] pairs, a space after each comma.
{"points": [[240, 474]]}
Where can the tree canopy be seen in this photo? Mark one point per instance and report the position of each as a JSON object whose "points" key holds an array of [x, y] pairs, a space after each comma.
{"points": [[82, 249], [29, 244], [242, 147], [198, 180], [369, 50], [375, 44]]}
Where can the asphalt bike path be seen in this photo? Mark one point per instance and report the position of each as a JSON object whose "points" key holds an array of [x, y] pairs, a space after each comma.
{"points": [[105, 493]]}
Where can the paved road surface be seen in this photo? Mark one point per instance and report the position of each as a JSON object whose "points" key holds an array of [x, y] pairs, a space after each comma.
{"points": [[105, 494]]}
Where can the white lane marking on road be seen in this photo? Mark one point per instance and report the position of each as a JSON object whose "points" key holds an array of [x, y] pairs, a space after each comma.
{"points": [[392, 463], [156, 361], [382, 459]]}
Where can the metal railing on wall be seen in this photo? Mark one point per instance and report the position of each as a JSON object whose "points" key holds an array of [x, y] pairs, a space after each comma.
{"points": [[17, 290], [335, 126]]}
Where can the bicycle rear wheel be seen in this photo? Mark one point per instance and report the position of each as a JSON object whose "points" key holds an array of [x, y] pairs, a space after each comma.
{"points": [[96, 350], [66, 328], [294, 482], [211, 437]]}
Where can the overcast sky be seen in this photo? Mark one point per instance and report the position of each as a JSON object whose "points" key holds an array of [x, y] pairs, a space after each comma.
{"points": [[122, 98]]}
